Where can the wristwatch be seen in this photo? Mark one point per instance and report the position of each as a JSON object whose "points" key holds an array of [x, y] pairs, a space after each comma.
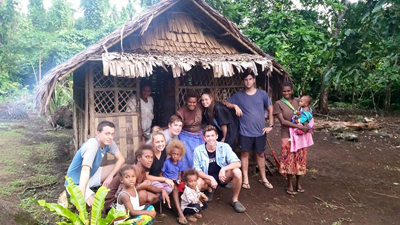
{"points": [[271, 125]]}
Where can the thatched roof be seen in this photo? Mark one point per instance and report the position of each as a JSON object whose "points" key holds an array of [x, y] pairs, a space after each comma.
{"points": [[140, 65], [179, 36]]}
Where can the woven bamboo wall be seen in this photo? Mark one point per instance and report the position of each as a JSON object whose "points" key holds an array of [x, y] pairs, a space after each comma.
{"points": [[109, 96], [177, 32]]}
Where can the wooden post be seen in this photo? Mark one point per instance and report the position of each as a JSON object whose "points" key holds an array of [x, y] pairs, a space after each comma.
{"points": [[176, 93], [86, 129], [116, 90], [75, 123], [91, 102]]}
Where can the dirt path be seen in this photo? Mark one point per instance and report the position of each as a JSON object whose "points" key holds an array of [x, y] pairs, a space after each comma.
{"points": [[346, 183]]}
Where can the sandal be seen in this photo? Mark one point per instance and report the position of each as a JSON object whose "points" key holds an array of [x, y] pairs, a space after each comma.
{"points": [[198, 215], [182, 220], [246, 186], [291, 193], [266, 184], [192, 218], [300, 190]]}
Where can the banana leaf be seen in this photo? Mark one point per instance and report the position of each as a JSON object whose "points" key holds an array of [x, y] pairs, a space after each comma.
{"points": [[98, 205], [113, 215], [66, 213], [78, 200]]}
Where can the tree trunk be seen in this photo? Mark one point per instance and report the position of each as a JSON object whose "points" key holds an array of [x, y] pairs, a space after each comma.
{"points": [[324, 94], [323, 99], [40, 66], [388, 94]]}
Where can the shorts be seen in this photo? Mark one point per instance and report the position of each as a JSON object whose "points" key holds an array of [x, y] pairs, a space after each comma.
{"points": [[257, 144], [94, 181], [162, 185], [216, 177]]}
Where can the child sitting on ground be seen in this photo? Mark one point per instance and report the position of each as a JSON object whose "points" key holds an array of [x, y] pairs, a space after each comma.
{"points": [[128, 199], [193, 201], [173, 166], [304, 114]]}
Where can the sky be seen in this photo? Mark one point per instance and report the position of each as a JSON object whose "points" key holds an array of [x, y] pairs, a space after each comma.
{"points": [[75, 4]]}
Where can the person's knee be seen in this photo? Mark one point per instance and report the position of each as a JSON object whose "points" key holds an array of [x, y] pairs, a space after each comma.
{"points": [[244, 154], [237, 173], [152, 198], [142, 196], [260, 154]]}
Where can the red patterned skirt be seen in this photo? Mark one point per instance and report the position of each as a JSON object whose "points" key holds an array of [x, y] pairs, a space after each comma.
{"points": [[292, 162]]}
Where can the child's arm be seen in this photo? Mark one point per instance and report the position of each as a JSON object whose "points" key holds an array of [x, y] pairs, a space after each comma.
{"points": [[128, 205], [203, 197]]}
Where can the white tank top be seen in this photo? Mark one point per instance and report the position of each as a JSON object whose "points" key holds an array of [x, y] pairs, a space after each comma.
{"points": [[134, 201]]}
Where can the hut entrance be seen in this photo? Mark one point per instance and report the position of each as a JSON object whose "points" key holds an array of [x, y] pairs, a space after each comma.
{"points": [[199, 79], [108, 97]]}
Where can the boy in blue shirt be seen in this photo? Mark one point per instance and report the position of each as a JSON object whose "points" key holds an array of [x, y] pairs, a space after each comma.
{"points": [[85, 169], [218, 165], [250, 106]]}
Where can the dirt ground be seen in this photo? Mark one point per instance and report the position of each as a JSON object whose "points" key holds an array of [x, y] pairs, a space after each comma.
{"points": [[346, 183]]}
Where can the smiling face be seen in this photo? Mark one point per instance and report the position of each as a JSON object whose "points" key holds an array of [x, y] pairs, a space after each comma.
{"points": [[206, 100], [191, 103], [159, 142], [287, 92], [146, 159], [175, 128], [191, 181], [106, 136], [128, 178], [145, 92], [249, 81], [211, 138]]}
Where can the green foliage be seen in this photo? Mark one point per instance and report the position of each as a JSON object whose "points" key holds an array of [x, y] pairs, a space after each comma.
{"points": [[60, 15], [36, 12], [78, 200], [95, 13]]}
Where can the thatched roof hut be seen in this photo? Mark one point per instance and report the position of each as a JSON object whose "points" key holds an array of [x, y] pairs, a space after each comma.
{"points": [[185, 39]]}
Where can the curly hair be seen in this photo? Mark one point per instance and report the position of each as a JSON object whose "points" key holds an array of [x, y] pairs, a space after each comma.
{"points": [[174, 143], [189, 172], [126, 168]]}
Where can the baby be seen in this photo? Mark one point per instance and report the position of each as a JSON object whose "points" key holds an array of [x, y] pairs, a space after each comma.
{"points": [[304, 114], [193, 201]]}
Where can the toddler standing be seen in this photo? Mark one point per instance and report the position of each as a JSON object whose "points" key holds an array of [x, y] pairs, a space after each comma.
{"points": [[193, 201]]}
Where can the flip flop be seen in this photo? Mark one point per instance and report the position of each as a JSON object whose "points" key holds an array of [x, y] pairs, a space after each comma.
{"points": [[246, 186], [192, 218], [300, 190], [182, 220], [266, 184], [291, 193]]}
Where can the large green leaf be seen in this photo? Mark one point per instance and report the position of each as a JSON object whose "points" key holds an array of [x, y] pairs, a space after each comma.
{"points": [[98, 205], [112, 215], [66, 213], [78, 200]]}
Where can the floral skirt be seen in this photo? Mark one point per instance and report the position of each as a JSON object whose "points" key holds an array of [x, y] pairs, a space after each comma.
{"points": [[292, 162], [140, 220]]}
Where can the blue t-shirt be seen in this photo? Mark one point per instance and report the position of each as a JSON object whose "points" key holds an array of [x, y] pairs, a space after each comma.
{"points": [[90, 154], [252, 121], [170, 170]]}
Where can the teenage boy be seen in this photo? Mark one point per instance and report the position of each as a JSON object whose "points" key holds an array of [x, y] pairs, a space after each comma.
{"points": [[218, 165], [250, 106], [85, 169]]}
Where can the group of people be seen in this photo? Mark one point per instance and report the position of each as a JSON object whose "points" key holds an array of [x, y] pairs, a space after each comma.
{"points": [[194, 155]]}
